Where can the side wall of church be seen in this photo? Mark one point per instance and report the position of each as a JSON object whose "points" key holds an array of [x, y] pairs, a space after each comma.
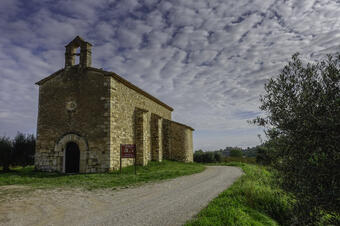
{"points": [[73, 107], [128, 109], [177, 142]]}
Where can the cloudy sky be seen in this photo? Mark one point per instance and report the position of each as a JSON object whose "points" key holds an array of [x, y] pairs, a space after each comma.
{"points": [[208, 59]]}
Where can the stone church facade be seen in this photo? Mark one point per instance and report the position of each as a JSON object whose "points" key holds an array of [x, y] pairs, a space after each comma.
{"points": [[86, 113]]}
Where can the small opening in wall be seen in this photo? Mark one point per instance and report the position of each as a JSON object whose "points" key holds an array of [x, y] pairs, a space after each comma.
{"points": [[77, 56]]}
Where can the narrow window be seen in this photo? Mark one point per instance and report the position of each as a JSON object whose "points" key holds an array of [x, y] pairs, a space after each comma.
{"points": [[77, 56]]}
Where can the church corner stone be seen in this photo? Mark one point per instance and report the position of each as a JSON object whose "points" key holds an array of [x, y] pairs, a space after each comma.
{"points": [[96, 111]]}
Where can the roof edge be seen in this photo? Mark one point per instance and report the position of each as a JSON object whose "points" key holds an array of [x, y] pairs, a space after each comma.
{"points": [[117, 77], [132, 86], [78, 38], [183, 125], [42, 81]]}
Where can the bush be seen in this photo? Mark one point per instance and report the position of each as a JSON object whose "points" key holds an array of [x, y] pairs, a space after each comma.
{"points": [[250, 160], [267, 154], [236, 152], [17, 152], [207, 157], [263, 156], [23, 150], [302, 106], [5, 153], [218, 157]]}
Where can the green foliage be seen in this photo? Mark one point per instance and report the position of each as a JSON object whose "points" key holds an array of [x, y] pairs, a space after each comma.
{"points": [[18, 151], [152, 172], [266, 153], [263, 156], [303, 124], [250, 160], [218, 157], [5, 153], [207, 157], [250, 152], [254, 199], [235, 153], [247, 152], [23, 150]]}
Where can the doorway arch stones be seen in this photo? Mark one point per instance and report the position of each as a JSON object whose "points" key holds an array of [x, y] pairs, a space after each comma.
{"points": [[60, 150]]}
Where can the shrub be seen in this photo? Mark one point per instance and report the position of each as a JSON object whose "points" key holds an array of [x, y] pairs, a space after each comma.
{"points": [[17, 152], [207, 157], [267, 153], [236, 152], [5, 153], [250, 160], [218, 157], [302, 106], [23, 149]]}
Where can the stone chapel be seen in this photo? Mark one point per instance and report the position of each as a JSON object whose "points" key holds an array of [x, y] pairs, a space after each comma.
{"points": [[86, 113]]}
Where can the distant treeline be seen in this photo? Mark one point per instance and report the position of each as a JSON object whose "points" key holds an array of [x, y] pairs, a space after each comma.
{"points": [[18, 151], [223, 155], [237, 151]]}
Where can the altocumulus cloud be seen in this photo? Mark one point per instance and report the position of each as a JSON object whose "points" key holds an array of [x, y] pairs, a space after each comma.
{"points": [[208, 59]]}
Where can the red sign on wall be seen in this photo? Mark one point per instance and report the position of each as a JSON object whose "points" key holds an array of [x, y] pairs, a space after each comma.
{"points": [[128, 151]]}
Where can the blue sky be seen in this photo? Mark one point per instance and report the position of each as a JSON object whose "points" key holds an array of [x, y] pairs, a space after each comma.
{"points": [[208, 59]]}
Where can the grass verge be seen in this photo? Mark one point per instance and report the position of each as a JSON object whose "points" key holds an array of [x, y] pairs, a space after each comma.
{"points": [[152, 172], [250, 160], [254, 199]]}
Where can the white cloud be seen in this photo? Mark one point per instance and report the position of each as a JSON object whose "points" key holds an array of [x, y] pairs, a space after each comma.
{"points": [[207, 59]]}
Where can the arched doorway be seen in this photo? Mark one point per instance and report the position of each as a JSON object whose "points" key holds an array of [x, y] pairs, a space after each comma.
{"points": [[72, 158], [61, 147]]}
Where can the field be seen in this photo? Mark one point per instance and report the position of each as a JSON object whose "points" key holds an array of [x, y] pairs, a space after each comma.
{"points": [[152, 172], [254, 199]]}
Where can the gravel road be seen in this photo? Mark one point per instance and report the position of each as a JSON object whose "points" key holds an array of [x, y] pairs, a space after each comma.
{"points": [[171, 202]]}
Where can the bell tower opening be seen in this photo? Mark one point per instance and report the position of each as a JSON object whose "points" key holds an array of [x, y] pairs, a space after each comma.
{"points": [[78, 52], [77, 56]]}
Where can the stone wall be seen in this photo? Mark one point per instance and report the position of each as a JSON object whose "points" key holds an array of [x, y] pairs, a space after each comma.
{"points": [[141, 137], [124, 105], [166, 139], [73, 102], [156, 138], [178, 145], [99, 111]]}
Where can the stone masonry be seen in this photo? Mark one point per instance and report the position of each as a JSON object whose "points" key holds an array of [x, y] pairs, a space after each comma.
{"points": [[98, 111]]}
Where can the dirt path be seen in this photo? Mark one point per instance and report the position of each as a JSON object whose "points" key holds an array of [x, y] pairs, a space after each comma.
{"points": [[170, 202]]}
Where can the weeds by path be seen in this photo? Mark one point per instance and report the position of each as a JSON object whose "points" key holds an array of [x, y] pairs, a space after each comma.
{"points": [[254, 199]]}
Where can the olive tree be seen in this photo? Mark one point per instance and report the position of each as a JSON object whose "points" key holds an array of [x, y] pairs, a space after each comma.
{"points": [[302, 120], [23, 149], [5, 153]]}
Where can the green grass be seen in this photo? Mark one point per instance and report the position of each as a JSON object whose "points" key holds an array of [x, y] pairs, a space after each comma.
{"points": [[251, 160], [152, 172], [254, 199]]}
